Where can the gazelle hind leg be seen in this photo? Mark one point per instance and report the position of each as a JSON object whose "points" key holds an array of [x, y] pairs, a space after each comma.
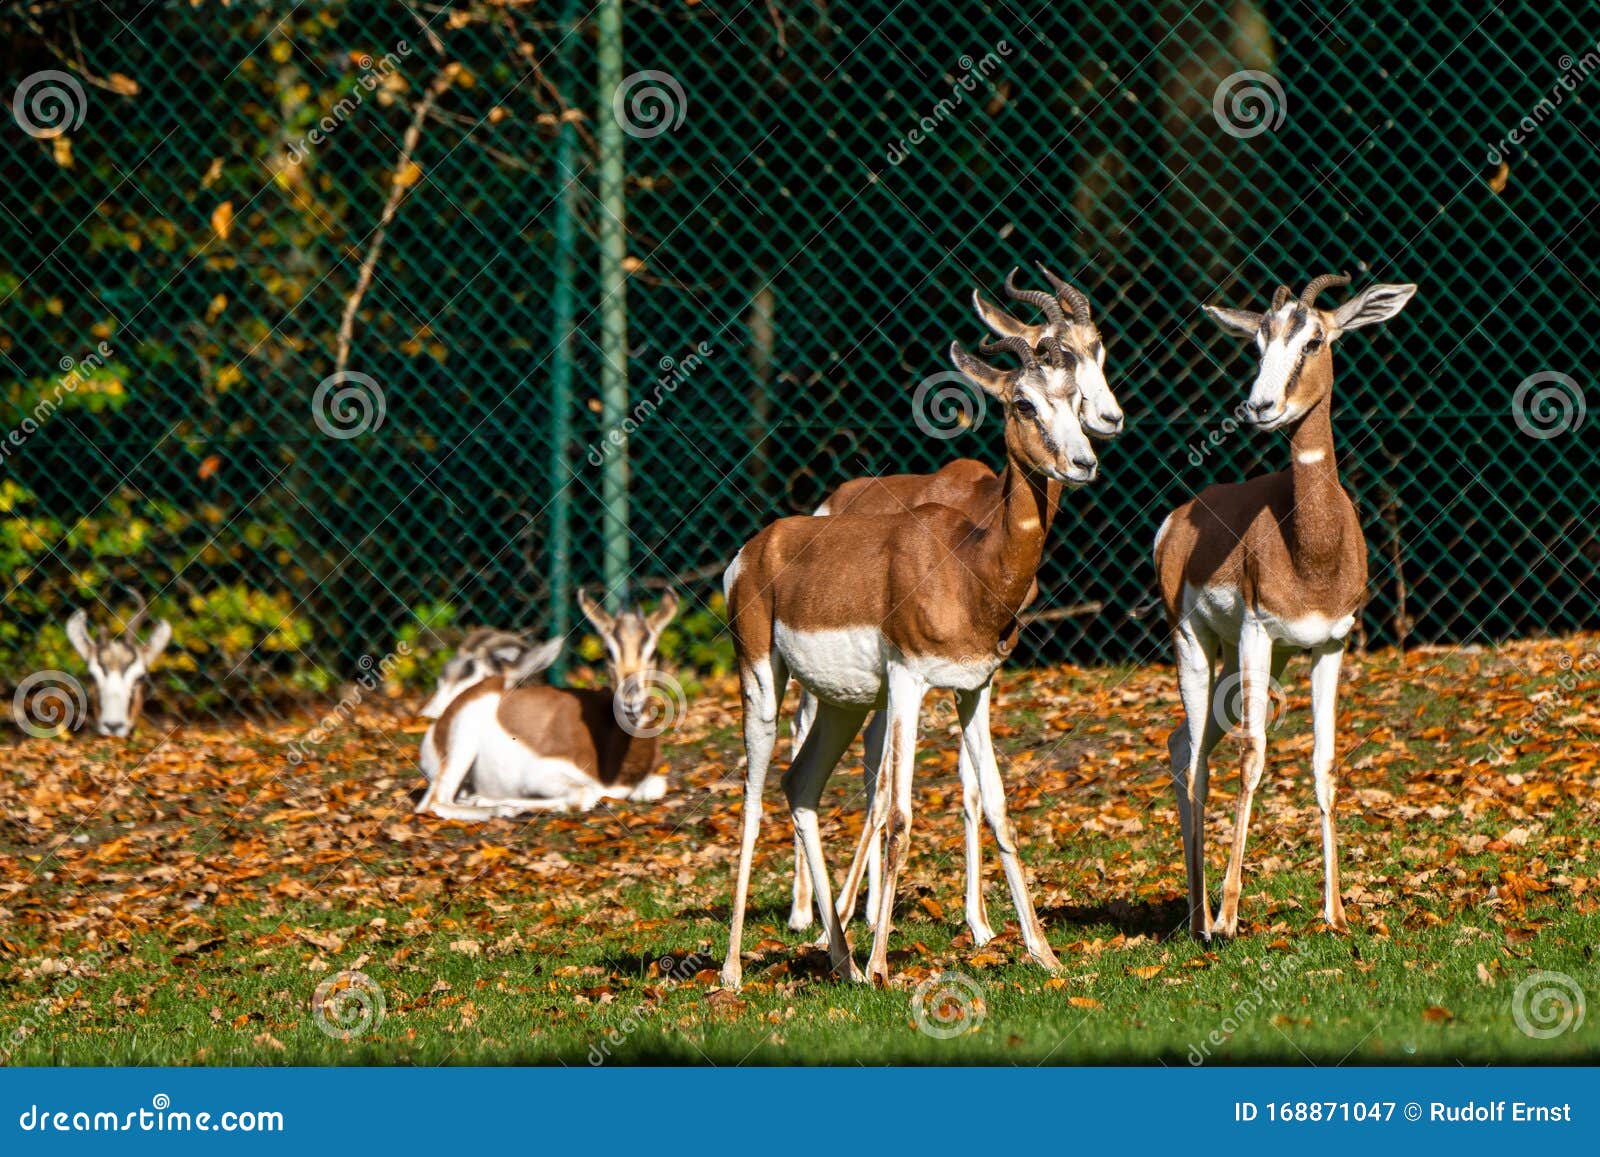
{"points": [[1255, 706], [761, 687], [906, 690], [1324, 721], [972, 815], [976, 742], [805, 711], [1189, 746], [869, 851], [831, 732]]}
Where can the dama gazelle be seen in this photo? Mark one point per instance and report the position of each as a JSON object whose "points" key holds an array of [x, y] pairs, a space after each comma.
{"points": [[976, 490], [119, 664], [869, 612], [546, 748], [483, 653], [1256, 570]]}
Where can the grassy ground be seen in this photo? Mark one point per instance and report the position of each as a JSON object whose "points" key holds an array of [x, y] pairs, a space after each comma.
{"points": [[180, 899]]}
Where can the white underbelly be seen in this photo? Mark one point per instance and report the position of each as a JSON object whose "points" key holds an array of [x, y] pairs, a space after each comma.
{"points": [[506, 769], [843, 666], [955, 674], [1222, 609]]}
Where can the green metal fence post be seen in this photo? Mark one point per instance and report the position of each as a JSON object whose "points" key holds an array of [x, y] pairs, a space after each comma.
{"points": [[613, 307], [563, 311]]}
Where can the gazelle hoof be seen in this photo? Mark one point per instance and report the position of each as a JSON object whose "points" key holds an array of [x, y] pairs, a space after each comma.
{"points": [[799, 920], [1045, 959], [731, 977], [981, 934]]}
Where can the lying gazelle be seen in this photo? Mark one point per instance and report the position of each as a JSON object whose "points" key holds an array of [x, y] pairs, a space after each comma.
{"points": [[1076, 361], [119, 664], [542, 748], [483, 653], [1256, 570], [871, 611]]}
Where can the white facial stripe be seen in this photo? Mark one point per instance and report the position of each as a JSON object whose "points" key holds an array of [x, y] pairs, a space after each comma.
{"points": [[1279, 358]]}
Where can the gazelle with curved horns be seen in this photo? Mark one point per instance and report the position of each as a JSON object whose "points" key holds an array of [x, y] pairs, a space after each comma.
{"points": [[869, 612], [1074, 358], [1255, 570], [119, 665], [541, 748]]}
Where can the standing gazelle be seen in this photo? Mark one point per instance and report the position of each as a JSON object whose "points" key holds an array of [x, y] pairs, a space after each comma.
{"points": [[1256, 570], [1076, 361], [869, 612], [119, 665], [542, 748]]}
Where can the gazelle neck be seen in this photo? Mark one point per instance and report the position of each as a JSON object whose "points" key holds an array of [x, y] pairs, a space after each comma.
{"points": [[1316, 531], [1008, 548]]}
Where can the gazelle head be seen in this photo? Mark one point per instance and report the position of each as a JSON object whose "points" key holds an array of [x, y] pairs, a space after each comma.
{"points": [[1079, 354], [1296, 343], [631, 639], [1043, 433], [118, 664], [485, 653]]}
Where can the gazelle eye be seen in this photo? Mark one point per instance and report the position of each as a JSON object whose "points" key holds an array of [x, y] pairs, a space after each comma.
{"points": [[1024, 407], [1313, 345]]}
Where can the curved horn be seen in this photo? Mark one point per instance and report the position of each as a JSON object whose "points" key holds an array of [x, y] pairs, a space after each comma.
{"points": [[130, 630], [1013, 344], [1318, 284], [1281, 296], [1034, 297], [1066, 294]]}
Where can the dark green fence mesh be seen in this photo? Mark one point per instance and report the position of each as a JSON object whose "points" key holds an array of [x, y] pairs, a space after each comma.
{"points": [[206, 203]]}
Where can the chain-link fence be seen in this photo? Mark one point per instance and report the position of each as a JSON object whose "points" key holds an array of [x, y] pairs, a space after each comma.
{"points": [[307, 307]]}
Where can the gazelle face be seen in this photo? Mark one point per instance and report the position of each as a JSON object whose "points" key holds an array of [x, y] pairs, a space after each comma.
{"points": [[484, 654], [118, 666], [631, 639], [1081, 355], [1296, 339], [1041, 403]]}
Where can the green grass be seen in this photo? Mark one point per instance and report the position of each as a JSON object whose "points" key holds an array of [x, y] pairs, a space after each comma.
{"points": [[202, 936]]}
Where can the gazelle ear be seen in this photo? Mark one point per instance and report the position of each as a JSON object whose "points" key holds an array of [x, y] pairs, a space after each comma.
{"points": [[1001, 322], [534, 660], [1373, 304], [595, 613], [996, 383], [160, 636], [664, 612], [1240, 321], [78, 634]]}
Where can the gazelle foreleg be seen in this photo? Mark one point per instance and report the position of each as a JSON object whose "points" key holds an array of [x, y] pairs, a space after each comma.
{"points": [[831, 732], [906, 690], [1189, 747], [761, 686], [978, 746], [1324, 711], [1255, 698]]}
